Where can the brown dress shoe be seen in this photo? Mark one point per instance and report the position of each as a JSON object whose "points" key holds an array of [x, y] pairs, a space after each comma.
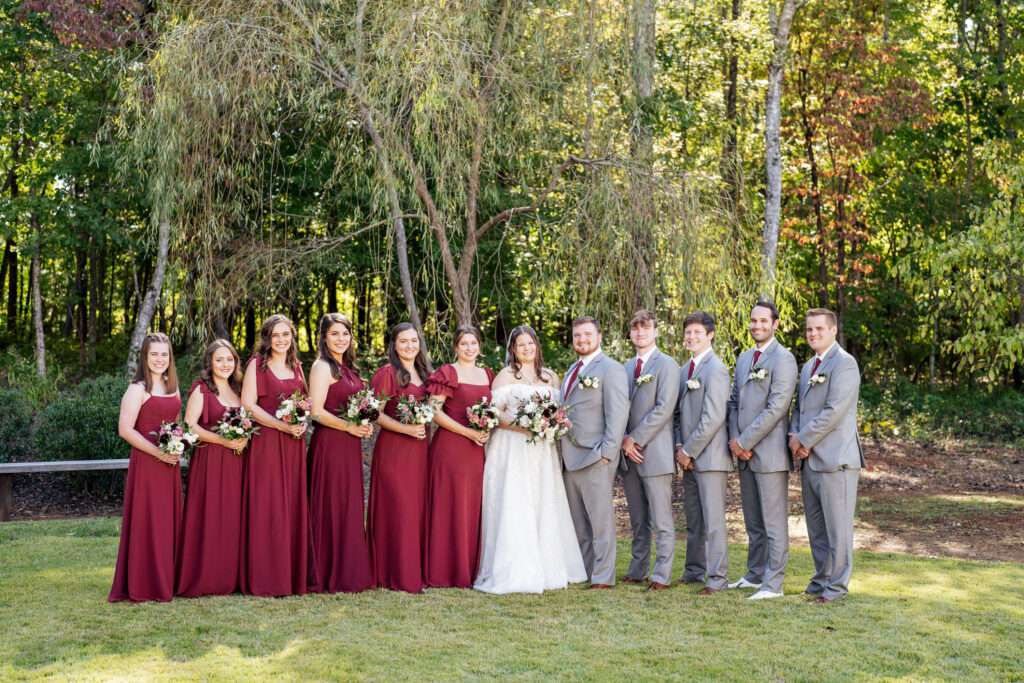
{"points": [[710, 591], [655, 586], [630, 579], [598, 586]]}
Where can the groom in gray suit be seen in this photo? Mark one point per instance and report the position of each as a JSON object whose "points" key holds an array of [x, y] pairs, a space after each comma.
{"points": [[648, 466], [702, 451], [824, 441], [596, 393], [762, 391]]}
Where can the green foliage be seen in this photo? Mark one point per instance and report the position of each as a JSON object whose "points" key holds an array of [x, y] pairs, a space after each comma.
{"points": [[15, 427], [82, 424], [18, 373]]}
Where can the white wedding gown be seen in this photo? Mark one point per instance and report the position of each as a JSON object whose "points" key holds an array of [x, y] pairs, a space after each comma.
{"points": [[527, 540]]}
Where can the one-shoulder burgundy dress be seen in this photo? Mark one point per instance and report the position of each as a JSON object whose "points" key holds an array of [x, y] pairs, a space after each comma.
{"points": [[454, 487], [275, 508], [152, 514], [211, 533], [336, 509], [398, 494]]}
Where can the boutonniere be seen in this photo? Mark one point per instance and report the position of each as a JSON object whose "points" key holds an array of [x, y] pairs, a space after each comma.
{"points": [[817, 379], [693, 383], [757, 374], [590, 382], [644, 379]]}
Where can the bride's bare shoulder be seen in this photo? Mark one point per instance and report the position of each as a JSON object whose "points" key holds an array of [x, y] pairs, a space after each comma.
{"points": [[551, 377], [504, 377]]}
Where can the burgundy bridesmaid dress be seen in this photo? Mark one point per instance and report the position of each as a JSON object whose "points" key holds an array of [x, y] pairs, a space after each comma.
{"points": [[454, 487], [275, 521], [336, 499], [398, 494], [152, 514], [211, 533]]}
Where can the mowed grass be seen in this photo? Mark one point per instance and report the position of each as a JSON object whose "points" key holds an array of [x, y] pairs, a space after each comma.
{"points": [[906, 617]]}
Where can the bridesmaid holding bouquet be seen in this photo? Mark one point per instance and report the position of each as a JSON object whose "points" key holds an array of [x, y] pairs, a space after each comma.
{"points": [[336, 464], [152, 496], [456, 467], [275, 521], [398, 473], [211, 536]]}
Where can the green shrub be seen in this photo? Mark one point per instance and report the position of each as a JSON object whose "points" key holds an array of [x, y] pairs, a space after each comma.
{"points": [[82, 424], [15, 427]]}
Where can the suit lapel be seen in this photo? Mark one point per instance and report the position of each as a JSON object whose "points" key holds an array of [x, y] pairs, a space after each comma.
{"points": [[630, 370]]}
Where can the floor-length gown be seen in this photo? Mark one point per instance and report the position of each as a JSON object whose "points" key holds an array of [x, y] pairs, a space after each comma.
{"points": [[528, 542], [398, 494], [336, 498], [455, 476], [211, 535], [275, 514], [152, 514]]}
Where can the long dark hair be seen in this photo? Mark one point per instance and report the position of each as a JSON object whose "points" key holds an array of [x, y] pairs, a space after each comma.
{"points": [[512, 361], [206, 373], [263, 348], [402, 375], [142, 371], [328, 321]]}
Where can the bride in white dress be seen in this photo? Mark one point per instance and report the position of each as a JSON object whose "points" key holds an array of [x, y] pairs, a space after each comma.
{"points": [[527, 540]]}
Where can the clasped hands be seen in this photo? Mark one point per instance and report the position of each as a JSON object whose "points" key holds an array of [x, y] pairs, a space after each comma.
{"points": [[737, 450], [685, 461], [798, 450], [632, 449]]}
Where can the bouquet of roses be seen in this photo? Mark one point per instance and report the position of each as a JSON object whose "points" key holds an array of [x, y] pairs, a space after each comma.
{"points": [[545, 419], [409, 411], [363, 407], [483, 415], [294, 409], [237, 423], [175, 438]]}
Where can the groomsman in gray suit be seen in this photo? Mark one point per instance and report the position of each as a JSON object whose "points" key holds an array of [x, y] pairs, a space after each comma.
{"points": [[824, 441], [762, 391], [596, 393], [648, 466], [702, 451]]}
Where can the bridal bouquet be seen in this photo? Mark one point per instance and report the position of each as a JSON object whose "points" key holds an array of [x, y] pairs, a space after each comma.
{"points": [[483, 415], [363, 407], [175, 438], [294, 409], [545, 419], [409, 411], [237, 423]]}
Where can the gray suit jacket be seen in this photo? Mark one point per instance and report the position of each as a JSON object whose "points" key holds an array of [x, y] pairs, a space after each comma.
{"points": [[758, 409], [598, 414], [651, 407], [825, 415], [700, 416]]}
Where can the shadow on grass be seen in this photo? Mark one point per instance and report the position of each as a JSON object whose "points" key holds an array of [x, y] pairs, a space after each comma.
{"points": [[906, 616]]}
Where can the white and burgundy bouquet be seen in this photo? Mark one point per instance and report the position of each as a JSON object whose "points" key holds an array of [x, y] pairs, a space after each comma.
{"points": [[175, 438], [545, 419], [294, 409], [363, 407], [483, 415], [409, 411], [237, 423]]}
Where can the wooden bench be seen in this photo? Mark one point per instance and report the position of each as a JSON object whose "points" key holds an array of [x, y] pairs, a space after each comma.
{"points": [[8, 469]]}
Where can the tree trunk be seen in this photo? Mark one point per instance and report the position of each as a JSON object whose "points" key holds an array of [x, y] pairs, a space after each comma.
{"points": [[642, 147], [94, 302], [730, 165], [37, 316], [779, 22], [12, 291], [148, 306]]}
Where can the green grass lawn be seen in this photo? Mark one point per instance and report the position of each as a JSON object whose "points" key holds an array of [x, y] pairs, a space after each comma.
{"points": [[907, 617]]}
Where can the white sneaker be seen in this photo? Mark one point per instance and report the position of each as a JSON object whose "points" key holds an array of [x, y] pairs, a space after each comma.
{"points": [[761, 595], [743, 583]]}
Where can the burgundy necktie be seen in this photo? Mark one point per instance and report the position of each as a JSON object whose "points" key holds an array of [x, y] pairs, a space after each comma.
{"points": [[757, 354], [572, 378], [689, 374], [639, 362], [817, 362]]}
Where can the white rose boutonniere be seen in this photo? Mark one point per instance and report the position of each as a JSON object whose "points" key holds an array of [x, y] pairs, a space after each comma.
{"points": [[644, 379], [758, 373], [590, 382], [817, 379], [693, 383]]}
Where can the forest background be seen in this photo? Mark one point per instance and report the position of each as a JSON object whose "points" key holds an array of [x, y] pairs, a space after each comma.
{"points": [[194, 166]]}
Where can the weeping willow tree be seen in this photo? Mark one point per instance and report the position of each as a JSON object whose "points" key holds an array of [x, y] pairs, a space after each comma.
{"points": [[468, 123]]}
